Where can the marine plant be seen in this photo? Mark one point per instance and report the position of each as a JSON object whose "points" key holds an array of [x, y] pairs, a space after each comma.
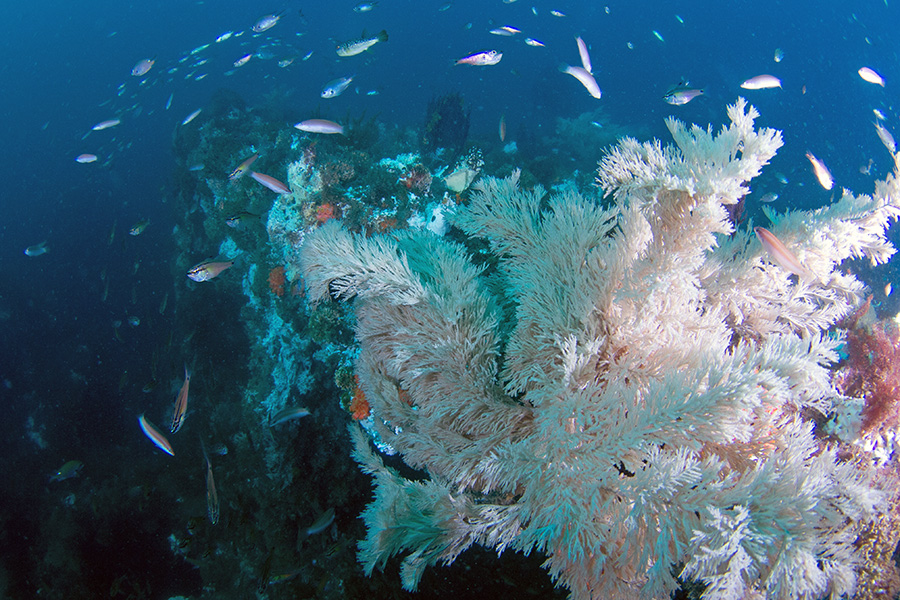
{"points": [[631, 388]]}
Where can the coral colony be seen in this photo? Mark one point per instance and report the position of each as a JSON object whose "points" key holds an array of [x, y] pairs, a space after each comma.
{"points": [[635, 387]]}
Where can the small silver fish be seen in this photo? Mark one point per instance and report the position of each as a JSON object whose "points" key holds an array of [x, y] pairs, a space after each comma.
{"points": [[481, 59], [191, 116], [354, 47], [761, 82], [143, 67], [336, 87], [681, 94], [265, 23], [885, 136]]}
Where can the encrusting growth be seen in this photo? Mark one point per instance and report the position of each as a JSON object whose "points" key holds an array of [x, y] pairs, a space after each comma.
{"points": [[630, 390]]}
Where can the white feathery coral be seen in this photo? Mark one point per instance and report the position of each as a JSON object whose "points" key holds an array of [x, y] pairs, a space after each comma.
{"points": [[626, 389]]}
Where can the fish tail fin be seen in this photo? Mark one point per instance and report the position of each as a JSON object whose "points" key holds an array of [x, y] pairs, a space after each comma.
{"points": [[563, 67], [382, 35]]}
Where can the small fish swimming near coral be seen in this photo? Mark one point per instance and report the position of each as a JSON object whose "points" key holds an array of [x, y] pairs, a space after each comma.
{"points": [[242, 219], [242, 168], [86, 158], [270, 182], [181, 402], [364, 7], [208, 269], [139, 227], [885, 136], [821, 171], [288, 414], [320, 126], [780, 254], [37, 249], [481, 59], [243, 60], [322, 523], [358, 46], [155, 435], [67, 471], [681, 94]]}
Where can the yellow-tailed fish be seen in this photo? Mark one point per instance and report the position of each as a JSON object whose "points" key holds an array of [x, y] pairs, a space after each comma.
{"points": [[155, 436], [181, 402]]}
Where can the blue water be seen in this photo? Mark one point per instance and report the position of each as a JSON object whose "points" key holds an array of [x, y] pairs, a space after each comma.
{"points": [[66, 66]]}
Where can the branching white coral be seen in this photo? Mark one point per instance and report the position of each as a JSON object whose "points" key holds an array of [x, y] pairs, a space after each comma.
{"points": [[625, 389]]}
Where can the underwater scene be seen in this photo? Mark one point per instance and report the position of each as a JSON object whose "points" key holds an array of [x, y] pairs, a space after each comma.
{"points": [[453, 299]]}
